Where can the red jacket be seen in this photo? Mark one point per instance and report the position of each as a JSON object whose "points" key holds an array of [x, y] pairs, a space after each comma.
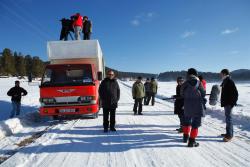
{"points": [[204, 84], [77, 20]]}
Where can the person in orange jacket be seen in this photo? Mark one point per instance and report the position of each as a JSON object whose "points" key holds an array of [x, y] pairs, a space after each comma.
{"points": [[77, 25]]}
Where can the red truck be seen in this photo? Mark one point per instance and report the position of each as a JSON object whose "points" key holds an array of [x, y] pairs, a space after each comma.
{"points": [[70, 82]]}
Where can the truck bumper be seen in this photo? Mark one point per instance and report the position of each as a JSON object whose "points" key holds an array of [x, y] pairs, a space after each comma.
{"points": [[69, 110]]}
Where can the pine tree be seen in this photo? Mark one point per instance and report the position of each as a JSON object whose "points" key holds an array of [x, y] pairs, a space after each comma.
{"points": [[37, 67], [8, 62], [20, 65], [28, 65]]}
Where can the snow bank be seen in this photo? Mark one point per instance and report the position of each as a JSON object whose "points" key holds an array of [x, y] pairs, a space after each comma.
{"points": [[15, 125]]}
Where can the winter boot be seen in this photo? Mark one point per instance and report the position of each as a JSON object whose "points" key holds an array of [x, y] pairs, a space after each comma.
{"points": [[192, 143], [227, 138], [113, 129], [185, 138], [186, 131], [180, 130]]}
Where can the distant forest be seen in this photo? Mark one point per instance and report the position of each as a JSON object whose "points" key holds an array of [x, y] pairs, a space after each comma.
{"points": [[239, 75], [131, 75], [17, 64]]}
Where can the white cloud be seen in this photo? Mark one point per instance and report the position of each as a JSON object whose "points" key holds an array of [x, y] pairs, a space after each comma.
{"points": [[188, 34], [234, 52], [143, 17], [135, 22], [229, 31]]}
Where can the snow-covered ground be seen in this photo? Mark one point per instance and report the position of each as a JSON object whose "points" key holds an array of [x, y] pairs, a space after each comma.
{"points": [[147, 140]]}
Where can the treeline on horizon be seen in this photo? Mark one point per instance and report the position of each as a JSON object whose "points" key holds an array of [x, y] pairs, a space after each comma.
{"points": [[17, 64], [131, 75], [238, 75]]}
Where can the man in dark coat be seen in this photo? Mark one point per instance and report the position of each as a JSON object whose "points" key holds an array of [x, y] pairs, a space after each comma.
{"points": [[16, 94], [179, 104], [87, 28], [147, 86], [109, 92], [193, 93], [229, 97], [66, 28]]}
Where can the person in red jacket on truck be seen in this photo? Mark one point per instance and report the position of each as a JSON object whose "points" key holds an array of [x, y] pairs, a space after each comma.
{"points": [[77, 25]]}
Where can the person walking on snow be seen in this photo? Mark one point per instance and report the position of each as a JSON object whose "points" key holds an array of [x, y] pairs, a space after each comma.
{"points": [[193, 93], [77, 25], [87, 28], [109, 92], [229, 97], [147, 92], [16, 94], [154, 87], [179, 104], [138, 93]]}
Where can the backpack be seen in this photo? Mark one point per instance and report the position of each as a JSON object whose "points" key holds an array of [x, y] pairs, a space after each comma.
{"points": [[192, 92]]}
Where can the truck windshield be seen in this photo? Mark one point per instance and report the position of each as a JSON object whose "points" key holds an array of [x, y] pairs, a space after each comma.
{"points": [[65, 75]]}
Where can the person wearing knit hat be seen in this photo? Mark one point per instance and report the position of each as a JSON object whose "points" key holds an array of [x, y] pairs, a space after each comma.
{"points": [[138, 93], [193, 93]]}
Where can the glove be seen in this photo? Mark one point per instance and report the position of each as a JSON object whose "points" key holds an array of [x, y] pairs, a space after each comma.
{"points": [[133, 97]]}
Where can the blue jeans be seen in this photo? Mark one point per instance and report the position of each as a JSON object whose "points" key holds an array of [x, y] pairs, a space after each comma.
{"points": [[229, 124], [15, 108], [78, 30]]}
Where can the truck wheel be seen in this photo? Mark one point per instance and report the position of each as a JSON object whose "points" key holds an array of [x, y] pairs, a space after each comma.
{"points": [[95, 115], [55, 117]]}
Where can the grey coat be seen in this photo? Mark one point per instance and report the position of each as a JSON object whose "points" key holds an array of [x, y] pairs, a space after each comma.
{"points": [[193, 93]]}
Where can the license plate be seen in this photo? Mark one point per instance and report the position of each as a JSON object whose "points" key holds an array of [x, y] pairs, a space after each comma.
{"points": [[67, 110]]}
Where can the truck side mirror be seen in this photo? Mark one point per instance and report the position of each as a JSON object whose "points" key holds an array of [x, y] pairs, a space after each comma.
{"points": [[99, 76]]}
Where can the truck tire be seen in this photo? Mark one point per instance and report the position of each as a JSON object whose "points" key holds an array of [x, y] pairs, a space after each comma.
{"points": [[95, 115], [55, 117]]}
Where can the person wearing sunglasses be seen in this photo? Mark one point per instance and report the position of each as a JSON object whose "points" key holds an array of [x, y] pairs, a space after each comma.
{"points": [[109, 92]]}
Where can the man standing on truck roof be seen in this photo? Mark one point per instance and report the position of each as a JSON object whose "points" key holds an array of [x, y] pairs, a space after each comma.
{"points": [[77, 25], [87, 28], [16, 94], [109, 92]]}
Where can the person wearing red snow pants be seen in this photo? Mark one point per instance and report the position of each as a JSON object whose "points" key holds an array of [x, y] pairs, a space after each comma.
{"points": [[193, 93]]}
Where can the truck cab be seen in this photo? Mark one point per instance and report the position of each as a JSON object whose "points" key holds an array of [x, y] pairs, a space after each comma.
{"points": [[71, 81]]}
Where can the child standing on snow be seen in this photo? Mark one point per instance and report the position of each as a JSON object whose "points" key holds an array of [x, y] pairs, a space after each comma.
{"points": [[193, 93], [179, 104]]}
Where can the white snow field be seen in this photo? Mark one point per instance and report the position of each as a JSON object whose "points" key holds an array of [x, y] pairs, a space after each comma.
{"points": [[149, 140]]}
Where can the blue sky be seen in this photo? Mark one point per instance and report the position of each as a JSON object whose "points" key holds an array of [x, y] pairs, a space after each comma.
{"points": [[139, 35]]}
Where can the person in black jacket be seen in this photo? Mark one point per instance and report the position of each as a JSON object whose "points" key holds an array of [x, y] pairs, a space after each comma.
{"points": [[109, 92], [179, 104], [229, 97], [16, 94], [66, 28], [147, 86], [87, 28]]}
